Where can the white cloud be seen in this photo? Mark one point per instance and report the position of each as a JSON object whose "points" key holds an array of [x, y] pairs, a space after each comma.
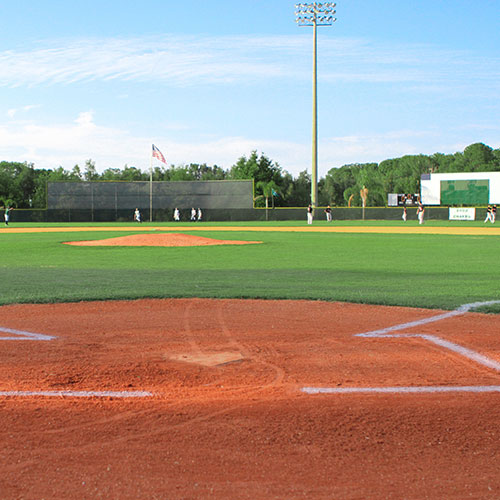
{"points": [[85, 119], [181, 61], [67, 144], [29, 107], [13, 111], [177, 60], [193, 60], [50, 146]]}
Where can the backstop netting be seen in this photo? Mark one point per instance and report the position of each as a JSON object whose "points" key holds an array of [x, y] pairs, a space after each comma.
{"points": [[104, 195]]}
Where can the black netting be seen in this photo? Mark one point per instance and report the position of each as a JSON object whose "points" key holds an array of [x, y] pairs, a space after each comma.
{"points": [[218, 214], [164, 195]]}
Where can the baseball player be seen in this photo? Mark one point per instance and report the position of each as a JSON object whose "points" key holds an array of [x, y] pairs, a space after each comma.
{"points": [[328, 212], [6, 214], [310, 214], [137, 215], [420, 213], [489, 215]]}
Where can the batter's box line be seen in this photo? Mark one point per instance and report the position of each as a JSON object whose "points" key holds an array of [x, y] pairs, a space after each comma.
{"points": [[404, 326], [78, 394], [22, 335], [463, 351], [389, 332]]}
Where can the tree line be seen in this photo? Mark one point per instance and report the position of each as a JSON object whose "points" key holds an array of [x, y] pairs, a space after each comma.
{"points": [[24, 186]]}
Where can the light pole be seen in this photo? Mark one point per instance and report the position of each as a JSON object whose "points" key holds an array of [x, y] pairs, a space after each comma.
{"points": [[315, 14]]}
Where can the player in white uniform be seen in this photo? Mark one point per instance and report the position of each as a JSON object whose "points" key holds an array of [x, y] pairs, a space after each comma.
{"points": [[489, 214], [137, 215], [328, 212], [310, 214], [420, 213]]}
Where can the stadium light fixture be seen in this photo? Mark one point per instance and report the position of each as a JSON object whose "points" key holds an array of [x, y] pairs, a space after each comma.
{"points": [[315, 14]]}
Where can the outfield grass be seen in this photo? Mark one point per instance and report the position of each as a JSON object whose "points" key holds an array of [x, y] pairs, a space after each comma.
{"points": [[433, 271]]}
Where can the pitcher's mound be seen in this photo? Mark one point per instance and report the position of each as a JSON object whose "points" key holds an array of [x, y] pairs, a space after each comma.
{"points": [[159, 240]]}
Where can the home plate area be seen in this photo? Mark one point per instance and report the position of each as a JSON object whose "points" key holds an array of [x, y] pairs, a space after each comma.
{"points": [[247, 399], [191, 348]]}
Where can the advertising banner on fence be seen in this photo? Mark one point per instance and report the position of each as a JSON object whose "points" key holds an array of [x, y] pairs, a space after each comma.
{"points": [[462, 213]]}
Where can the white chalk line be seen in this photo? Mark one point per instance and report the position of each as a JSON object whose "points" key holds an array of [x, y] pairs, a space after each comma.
{"points": [[78, 394], [401, 390], [403, 326], [381, 333], [22, 335], [463, 351]]}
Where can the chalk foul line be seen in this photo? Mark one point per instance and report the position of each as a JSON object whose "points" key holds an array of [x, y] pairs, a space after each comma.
{"points": [[22, 335], [389, 332], [464, 351], [78, 394], [401, 390]]}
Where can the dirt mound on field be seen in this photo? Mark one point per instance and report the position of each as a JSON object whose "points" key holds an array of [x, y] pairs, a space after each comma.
{"points": [[159, 240]]}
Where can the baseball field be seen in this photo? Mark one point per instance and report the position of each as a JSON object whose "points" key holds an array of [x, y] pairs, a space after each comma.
{"points": [[245, 361]]}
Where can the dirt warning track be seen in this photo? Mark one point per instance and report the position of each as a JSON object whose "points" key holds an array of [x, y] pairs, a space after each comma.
{"points": [[465, 231], [204, 399]]}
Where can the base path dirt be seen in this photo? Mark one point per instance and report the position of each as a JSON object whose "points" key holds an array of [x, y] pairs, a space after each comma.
{"points": [[202, 399]]}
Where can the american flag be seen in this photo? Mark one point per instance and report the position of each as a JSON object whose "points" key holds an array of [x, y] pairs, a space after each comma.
{"points": [[157, 154]]}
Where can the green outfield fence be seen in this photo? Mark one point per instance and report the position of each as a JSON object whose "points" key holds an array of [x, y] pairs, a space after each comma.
{"points": [[116, 201], [241, 214]]}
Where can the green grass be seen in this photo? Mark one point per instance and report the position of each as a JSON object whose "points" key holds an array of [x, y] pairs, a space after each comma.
{"points": [[412, 270]]}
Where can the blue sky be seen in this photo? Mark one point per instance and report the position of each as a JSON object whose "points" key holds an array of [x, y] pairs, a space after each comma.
{"points": [[212, 81]]}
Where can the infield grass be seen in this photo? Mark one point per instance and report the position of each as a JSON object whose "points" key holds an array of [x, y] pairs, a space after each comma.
{"points": [[433, 271]]}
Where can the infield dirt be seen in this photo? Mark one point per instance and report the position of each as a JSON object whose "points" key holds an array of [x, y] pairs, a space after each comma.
{"points": [[226, 418]]}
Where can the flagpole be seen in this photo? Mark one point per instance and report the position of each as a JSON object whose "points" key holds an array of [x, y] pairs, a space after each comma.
{"points": [[151, 186]]}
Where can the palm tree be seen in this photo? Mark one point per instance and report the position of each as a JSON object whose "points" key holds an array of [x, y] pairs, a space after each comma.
{"points": [[269, 190]]}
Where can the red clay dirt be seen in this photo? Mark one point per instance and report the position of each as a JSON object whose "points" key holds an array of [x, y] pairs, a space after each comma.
{"points": [[227, 418], [159, 240]]}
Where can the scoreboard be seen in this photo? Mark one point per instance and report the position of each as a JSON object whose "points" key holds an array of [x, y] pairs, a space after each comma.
{"points": [[402, 200]]}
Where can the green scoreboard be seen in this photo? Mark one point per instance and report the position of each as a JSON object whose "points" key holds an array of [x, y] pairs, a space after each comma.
{"points": [[465, 192]]}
